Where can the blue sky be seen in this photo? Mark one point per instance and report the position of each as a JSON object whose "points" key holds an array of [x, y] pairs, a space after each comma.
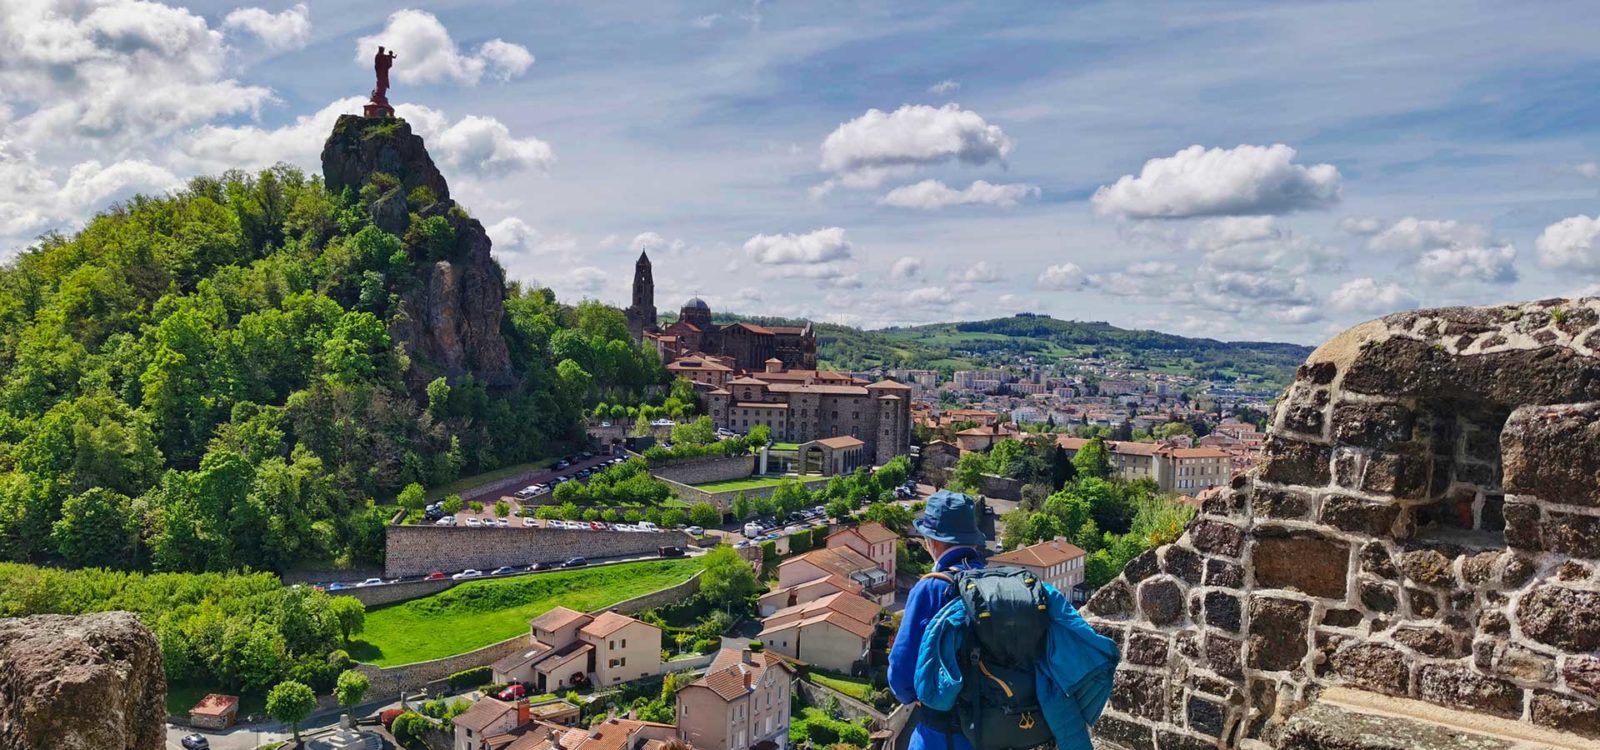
{"points": [[1236, 170]]}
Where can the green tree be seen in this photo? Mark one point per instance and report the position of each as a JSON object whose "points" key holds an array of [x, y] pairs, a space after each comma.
{"points": [[502, 508], [895, 472], [413, 497], [350, 688], [96, 529], [741, 507], [291, 702], [759, 435], [968, 473], [727, 580], [349, 614], [896, 518], [451, 504], [699, 432], [705, 515], [1093, 460]]}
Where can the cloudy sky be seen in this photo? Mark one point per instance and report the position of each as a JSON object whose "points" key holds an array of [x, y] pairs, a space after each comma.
{"points": [[1236, 170]]}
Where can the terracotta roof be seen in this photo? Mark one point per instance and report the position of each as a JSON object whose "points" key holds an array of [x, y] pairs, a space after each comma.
{"points": [[886, 383], [828, 390], [759, 405], [841, 561], [753, 328], [746, 380], [1201, 452], [846, 604], [698, 364], [1044, 554], [216, 704], [485, 713], [557, 618], [613, 734], [607, 623], [719, 392], [730, 677], [792, 330], [840, 442], [520, 659], [873, 531]]}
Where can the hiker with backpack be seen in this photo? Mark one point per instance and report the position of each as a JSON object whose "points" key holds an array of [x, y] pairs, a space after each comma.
{"points": [[998, 659]]}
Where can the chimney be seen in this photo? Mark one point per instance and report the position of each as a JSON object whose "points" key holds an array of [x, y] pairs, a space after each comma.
{"points": [[522, 712], [774, 365], [748, 656]]}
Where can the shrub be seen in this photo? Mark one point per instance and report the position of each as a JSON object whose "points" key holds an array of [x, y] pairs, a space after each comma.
{"points": [[471, 677], [707, 645], [502, 508], [476, 506]]}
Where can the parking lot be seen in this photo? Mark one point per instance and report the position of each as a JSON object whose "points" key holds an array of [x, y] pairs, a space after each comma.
{"points": [[575, 468]]}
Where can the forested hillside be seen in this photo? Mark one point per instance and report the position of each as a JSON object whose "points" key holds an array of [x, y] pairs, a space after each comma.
{"points": [[222, 377]]}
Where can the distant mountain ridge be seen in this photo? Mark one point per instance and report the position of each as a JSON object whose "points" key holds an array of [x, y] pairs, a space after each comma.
{"points": [[976, 343]]}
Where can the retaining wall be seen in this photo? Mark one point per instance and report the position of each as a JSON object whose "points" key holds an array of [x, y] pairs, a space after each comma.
{"points": [[389, 593], [418, 550], [706, 469]]}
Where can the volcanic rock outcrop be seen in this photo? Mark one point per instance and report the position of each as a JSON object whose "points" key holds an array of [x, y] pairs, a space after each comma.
{"points": [[450, 317], [1426, 525], [91, 682]]}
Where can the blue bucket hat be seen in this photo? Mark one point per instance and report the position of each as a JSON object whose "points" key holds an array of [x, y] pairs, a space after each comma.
{"points": [[950, 517]]}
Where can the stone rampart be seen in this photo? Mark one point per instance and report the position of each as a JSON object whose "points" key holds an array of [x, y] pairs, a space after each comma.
{"points": [[1426, 525], [389, 593], [419, 550]]}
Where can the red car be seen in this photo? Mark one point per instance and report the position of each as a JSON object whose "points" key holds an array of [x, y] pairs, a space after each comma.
{"points": [[512, 692], [597, 526], [437, 575]]}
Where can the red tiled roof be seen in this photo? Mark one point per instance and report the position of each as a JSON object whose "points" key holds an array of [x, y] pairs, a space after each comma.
{"points": [[1044, 554], [216, 704], [840, 442], [607, 623], [484, 713], [557, 618]]}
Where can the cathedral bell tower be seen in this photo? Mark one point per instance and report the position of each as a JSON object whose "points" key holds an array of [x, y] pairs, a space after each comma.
{"points": [[642, 313]]}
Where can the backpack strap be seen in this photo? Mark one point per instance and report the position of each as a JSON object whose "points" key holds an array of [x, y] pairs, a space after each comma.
{"points": [[946, 577]]}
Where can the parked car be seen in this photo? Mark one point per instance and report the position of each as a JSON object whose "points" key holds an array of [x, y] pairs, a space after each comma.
{"points": [[468, 573], [437, 575], [502, 522], [503, 570], [576, 562], [597, 526], [473, 521], [670, 552], [647, 526], [446, 521], [561, 465], [512, 692], [538, 566], [195, 741], [752, 529], [525, 493], [695, 530], [371, 582], [531, 523], [337, 586]]}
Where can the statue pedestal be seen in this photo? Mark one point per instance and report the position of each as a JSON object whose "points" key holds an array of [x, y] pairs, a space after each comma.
{"points": [[377, 106]]}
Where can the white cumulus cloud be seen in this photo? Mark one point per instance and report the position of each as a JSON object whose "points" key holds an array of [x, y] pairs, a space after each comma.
{"points": [[929, 195], [1412, 234], [982, 272], [1370, 297], [427, 54], [868, 149], [1486, 264], [819, 246], [944, 87], [1572, 243], [1247, 180], [906, 268], [1063, 277], [290, 29]]}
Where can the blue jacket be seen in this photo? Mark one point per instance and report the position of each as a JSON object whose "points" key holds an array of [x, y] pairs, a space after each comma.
{"points": [[925, 601], [1073, 678]]}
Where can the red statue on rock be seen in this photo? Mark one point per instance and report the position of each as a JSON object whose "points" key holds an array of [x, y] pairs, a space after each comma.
{"points": [[379, 105]]}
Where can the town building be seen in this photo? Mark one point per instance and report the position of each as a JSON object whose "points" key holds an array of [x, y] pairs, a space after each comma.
{"points": [[215, 711], [804, 405], [567, 647], [873, 540], [833, 632], [488, 717], [818, 573], [708, 370], [741, 702], [749, 345], [1173, 468], [496, 725], [983, 438], [1055, 561]]}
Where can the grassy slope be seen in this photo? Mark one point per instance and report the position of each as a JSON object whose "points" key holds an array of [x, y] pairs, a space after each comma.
{"points": [[750, 483], [477, 614]]}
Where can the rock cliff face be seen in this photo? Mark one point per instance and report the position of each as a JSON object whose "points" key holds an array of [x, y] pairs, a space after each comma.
{"points": [[1426, 525], [450, 317], [93, 682]]}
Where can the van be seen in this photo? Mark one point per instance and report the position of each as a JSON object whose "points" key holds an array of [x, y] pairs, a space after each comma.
{"points": [[647, 526], [752, 529]]}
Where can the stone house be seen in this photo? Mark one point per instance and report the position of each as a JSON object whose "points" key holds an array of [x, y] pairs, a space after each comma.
{"points": [[1055, 561], [215, 711], [607, 649], [741, 702], [611, 734], [1174, 468], [802, 406], [833, 632], [486, 718]]}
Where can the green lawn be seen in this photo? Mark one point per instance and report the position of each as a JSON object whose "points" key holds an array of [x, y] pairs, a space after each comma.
{"points": [[479, 613], [786, 446], [861, 690], [751, 483], [467, 483]]}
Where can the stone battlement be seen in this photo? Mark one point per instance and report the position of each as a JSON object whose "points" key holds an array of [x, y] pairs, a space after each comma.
{"points": [[1426, 525]]}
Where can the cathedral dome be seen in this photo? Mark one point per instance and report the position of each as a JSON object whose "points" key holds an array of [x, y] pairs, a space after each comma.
{"points": [[695, 303]]}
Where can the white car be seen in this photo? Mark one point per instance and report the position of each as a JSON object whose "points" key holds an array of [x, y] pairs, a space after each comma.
{"points": [[371, 582], [752, 529], [647, 526], [446, 521], [468, 573], [695, 530], [530, 522], [473, 521], [502, 523]]}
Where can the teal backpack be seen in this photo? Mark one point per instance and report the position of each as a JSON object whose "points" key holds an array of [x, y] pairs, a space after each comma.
{"points": [[1008, 618]]}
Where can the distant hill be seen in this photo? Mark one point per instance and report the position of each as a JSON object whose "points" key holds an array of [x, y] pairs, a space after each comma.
{"points": [[972, 344]]}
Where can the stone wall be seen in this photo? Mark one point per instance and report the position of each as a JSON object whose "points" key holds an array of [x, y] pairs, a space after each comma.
{"points": [[706, 469], [81, 682], [405, 677], [1426, 524], [389, 593], [419, 550]]}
